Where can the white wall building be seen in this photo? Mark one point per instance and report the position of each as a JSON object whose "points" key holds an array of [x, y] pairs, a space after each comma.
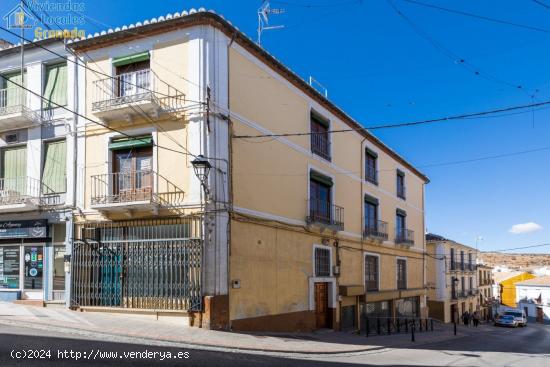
{"points": [[533, 296], [37, 169]]}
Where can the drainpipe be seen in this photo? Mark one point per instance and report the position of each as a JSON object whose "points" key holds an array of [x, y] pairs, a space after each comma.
{"points": [[361, 178]]}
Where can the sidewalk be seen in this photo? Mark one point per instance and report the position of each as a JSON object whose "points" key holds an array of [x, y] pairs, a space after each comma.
{"points": [[148, 329]]}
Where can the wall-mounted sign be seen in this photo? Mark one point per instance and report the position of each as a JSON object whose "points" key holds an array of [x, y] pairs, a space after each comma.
{"points": [[24, 229]]}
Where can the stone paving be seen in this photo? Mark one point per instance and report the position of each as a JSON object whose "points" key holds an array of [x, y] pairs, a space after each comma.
{"points": [[174, 330]]}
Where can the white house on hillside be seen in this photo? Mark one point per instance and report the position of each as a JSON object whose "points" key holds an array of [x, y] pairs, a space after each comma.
{"points": [[533, 296]]}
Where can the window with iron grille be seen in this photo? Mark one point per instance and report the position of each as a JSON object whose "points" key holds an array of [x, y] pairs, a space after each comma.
{"points": [[370, 167], [322, 262], [401, 274], [453, 265], [371, 273], [320, 141], [461, 260]]}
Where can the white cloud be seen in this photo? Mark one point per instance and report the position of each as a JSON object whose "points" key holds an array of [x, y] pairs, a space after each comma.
{"points": [[525, 228]]}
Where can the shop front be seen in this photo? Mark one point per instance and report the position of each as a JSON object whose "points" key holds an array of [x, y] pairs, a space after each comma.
{"points": [[30, 266]]}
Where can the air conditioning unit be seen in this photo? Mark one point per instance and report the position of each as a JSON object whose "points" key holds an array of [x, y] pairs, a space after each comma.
{"points": [[11, 138]]}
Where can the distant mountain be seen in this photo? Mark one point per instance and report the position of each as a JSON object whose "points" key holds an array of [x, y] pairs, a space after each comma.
{"points": [[515, 261]]}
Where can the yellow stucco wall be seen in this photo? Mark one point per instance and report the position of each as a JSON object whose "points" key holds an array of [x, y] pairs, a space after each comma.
{"points": [[508, 288]]}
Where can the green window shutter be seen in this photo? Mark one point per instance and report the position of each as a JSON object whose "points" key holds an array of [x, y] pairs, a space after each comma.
{"points": [[14, 169], [55, 88], [14, 94], [316, 176], [55, 166], [130, 59], [127, 143], [371, 199]]}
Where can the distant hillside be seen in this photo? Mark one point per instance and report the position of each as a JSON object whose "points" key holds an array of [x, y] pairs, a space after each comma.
{"points": [[515, 261]]}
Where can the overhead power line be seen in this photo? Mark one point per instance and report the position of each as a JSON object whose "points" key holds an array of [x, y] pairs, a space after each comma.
{"points": [[542, 4], [403, 124], [477, 16], [317, 5], [458, 60], [37, 44]]}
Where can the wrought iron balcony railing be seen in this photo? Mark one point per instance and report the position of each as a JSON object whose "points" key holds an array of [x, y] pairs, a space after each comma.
{"points": [[404, 236], [136, 87], [14, 109], [320, 145], [133, 187], [26, 191], [377, 230], [324, 213]]}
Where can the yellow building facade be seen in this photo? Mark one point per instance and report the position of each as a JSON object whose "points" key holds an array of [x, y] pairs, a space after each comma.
{"points": [[452, 280], [284, 233], [507, 287]]}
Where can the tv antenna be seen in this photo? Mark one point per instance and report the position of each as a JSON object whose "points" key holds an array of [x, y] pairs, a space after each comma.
{"points": [[263, 19]]}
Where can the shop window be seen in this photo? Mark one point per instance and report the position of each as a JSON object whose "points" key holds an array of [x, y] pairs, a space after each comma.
{"points": [[9, 267], [34, 267]]}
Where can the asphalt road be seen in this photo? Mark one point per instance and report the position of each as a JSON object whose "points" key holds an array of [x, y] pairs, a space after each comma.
{"points": [[496, 347]]}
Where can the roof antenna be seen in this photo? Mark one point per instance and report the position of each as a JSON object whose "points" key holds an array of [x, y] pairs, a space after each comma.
{"points": [[263, 19]]}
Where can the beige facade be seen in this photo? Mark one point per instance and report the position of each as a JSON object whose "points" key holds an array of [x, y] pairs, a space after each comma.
{"points": [[485, 287], [299, 232], [452, 279]]}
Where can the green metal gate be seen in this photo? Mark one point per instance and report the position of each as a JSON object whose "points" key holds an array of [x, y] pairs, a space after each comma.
{"points": [[153, 264]]}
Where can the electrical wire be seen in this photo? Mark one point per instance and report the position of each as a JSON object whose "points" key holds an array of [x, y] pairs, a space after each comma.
{"points": [[477, 16], [403, 124], [542, 4], [37, 44], [450, 54], [317, 5]]}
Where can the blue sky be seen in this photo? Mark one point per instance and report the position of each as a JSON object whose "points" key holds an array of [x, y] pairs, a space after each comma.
{"points": [[378, 69]]}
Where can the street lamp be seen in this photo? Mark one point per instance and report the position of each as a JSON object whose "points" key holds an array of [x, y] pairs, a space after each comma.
{"points": [[202, 167]]}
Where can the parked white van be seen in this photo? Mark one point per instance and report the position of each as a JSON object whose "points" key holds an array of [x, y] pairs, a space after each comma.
{"points": [[519, 316]]}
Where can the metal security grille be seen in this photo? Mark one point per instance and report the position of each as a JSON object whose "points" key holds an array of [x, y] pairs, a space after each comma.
{"points": [[152, 264], [322, 262]]}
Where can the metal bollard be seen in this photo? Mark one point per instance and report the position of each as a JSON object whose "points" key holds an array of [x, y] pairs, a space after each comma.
{"points": [[420, 325], [378, 325], [398, 327], [454, 323], [407, 326], [432, 324], [367, 326], [412, 331], [389, 326]]}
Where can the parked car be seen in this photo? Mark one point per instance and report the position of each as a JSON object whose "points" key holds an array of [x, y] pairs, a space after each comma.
{"points": [[519, 316], [506, 320]]}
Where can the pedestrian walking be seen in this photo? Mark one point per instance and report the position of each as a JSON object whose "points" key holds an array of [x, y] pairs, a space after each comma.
{"points": [[476, 319], [466, 318]]}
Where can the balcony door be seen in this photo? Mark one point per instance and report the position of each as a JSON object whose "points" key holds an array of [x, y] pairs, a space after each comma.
{"points": [[320, 199], [13, 184], [134, 78], [133, 177]]}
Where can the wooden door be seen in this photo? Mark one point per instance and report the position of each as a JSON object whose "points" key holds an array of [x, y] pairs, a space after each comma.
{"points": [[540, 316], [321, 305]]}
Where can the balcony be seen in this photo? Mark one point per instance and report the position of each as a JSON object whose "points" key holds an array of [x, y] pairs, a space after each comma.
{"points": [[404, 236], [135, 190], [14, 110], [324, 214], [23, 194], [134, 94], [377, 230]]}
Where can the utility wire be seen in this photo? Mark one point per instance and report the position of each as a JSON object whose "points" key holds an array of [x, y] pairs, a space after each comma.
{"points": [[317, 5], [450, 54], [477, 16], [37, 44], [542, 4], [403, 124]]}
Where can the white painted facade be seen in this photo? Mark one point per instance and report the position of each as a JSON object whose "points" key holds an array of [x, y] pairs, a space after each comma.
{"points": [[527, 297], [41, 126]]}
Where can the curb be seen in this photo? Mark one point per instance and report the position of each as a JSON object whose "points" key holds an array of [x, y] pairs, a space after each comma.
{"points": [[210, 347]]}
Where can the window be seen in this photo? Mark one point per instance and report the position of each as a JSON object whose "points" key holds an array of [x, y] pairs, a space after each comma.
{"points": [[322, 262], [401, 274], [34, 265], [461, 260], [11, 94], [453, 265], [463, 284], [55, 167], [132, 168], [371, 173], [133, 74], [9, 267], [371, 273], [320, 142], [400, 225], [320, 208], [400, 184], [470, 264], [55, 86], [471, 284], [453, 287], [14, 173]]}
